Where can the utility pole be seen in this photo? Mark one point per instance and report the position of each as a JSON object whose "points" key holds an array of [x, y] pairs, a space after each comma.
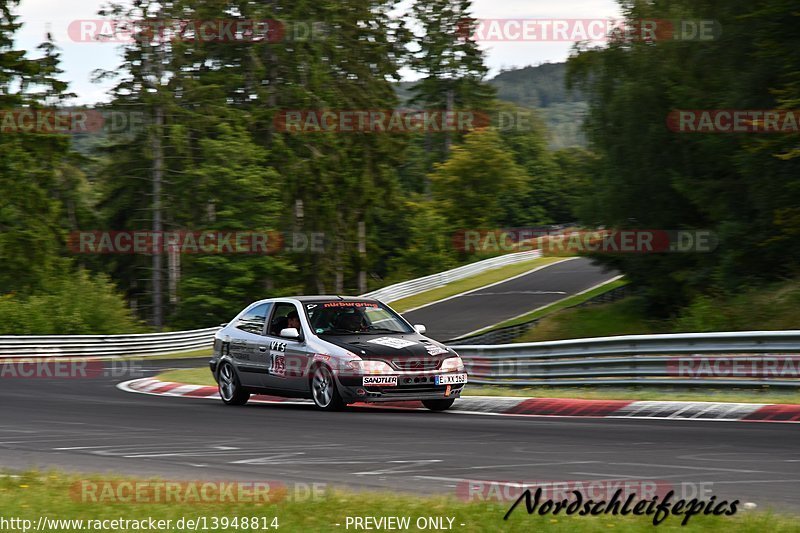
{"points": [[362, 251], [158, 226], [152, 64]]}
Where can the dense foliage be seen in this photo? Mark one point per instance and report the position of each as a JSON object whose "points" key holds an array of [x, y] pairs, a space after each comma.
{"points": [[742, 186], [211, 153]]}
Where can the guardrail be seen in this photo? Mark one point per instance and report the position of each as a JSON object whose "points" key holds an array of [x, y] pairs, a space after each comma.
{"points": [[677, 359], [150, 344], [415, 286], [106, 345]]}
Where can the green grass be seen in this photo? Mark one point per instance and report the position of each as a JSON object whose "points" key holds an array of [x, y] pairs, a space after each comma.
{"points": [[625, 317], [468, 284], [191, 376], [32, 495], [203, 352], [769, 307], [202, 376], [559, 305]]}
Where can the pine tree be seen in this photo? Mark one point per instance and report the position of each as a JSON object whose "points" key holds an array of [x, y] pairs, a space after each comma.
{"points": [[450, 63]]}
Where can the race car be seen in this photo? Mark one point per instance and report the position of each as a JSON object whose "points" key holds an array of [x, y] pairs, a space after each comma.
{"points": [[335, 351]]}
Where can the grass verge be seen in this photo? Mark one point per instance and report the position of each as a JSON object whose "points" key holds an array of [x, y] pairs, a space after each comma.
{"points": [[468, 284], [203, 352], [570, 301], [190, 376], [770, 307], [202, 376], [625, 317], [57, 496]]}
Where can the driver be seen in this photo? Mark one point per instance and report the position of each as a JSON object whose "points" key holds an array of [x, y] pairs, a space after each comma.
{"points": [[294, 320], [351, 322]]}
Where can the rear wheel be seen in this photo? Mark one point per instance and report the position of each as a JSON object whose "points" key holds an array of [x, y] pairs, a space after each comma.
{"points": [[323, 390], [438, 405], [230, 389]]}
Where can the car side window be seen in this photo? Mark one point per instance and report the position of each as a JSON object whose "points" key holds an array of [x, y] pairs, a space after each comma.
{"points": [[280, 318], [253, 320]]}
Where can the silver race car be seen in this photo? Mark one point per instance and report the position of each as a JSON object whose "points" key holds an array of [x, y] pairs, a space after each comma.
{"points": [[335, 351]]}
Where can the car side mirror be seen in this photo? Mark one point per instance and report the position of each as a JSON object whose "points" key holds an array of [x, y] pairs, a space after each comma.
{"points": [[420, 329], [290, 333]]}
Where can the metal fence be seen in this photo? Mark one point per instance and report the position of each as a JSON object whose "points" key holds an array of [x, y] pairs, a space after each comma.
{"points": [[183, 341], [415, 286], [106, 345], [707, 359], [742, 359]]}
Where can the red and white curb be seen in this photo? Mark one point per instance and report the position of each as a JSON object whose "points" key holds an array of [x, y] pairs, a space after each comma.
{"points": [[510, 406], [156, 387]]}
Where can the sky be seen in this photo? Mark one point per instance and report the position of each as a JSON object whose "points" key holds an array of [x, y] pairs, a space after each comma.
{"points": [[80, 60]]}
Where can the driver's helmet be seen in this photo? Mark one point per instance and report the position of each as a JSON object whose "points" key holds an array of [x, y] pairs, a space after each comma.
{"points": [[352, 321]]}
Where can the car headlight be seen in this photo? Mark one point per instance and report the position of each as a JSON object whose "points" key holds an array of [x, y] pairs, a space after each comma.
{"points": [[369, 367], [453, 364]]}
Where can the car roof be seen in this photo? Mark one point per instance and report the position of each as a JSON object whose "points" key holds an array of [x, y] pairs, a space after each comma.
{"points": [[334, 297], [318, 298]]}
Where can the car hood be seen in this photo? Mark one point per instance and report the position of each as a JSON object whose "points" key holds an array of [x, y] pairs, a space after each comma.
{"points": [[401, 350]]}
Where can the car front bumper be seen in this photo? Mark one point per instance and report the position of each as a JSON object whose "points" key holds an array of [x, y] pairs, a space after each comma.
{"points": [[410, 387]]}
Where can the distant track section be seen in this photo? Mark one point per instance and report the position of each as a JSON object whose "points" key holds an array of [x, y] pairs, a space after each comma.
{"points": [[470, 311]]}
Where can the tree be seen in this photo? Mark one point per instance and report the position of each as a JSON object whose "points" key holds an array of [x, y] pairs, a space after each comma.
{"points": [[234, 190], [741, 186], [484, 174], [428, 246], [450, 63], [30, 211]]}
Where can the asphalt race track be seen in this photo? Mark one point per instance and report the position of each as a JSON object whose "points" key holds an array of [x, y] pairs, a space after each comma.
{"points": [[466, 313], [89, 425]]}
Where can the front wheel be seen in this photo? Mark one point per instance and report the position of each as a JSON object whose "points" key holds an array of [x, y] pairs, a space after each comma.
{"points": [[323, 390], [438, 405], [230, 389]]}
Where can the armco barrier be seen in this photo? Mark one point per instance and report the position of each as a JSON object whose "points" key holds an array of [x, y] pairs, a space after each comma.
{"points": [[750, 359], [183, 341], [106, 345], [623, 360], [416, 286]]}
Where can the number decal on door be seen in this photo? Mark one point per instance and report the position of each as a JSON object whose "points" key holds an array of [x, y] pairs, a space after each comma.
{"points": [[278, 366]]}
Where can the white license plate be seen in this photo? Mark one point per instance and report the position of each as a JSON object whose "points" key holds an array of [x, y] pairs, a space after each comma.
{"points": [[380, 381], [451, 379]]}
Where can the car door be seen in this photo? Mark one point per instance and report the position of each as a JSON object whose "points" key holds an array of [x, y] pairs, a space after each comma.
{"points": [[247, 346], [287, 357]]}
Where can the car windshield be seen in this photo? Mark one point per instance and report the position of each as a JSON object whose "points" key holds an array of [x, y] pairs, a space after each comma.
{"points": [[343, 317]]}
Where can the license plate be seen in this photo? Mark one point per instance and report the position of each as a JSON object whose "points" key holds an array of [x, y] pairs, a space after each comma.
{"points": [[380, 381], [451, 379]]}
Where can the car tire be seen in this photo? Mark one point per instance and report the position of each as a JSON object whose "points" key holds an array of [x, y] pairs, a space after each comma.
{"points": [[323, 390], [438, 405], [230, 388]]}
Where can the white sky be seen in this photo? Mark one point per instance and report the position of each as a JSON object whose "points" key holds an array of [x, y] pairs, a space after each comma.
{"points": [[80, 59]]}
